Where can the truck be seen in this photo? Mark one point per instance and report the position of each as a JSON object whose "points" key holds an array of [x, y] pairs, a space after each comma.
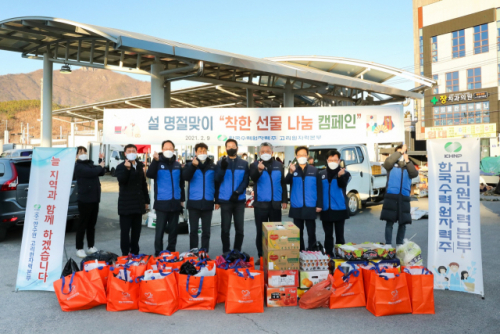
{"points": [[113, 155], [368, 178]]}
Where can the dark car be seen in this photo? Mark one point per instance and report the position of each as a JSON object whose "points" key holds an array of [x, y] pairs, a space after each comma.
{"points": [[14, 186]]}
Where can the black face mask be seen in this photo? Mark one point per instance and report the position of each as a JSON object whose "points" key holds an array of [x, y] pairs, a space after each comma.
{"points": [[232, 152]]}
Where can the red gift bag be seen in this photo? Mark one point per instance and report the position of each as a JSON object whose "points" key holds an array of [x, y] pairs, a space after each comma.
{"points": [[223, 271], [388, 294], [159, 295], [347, 289], [122, 295], [366, 271], [421, 287], [101, 267], [197, 293], [76, 292], [245, 291], [95, 278]]}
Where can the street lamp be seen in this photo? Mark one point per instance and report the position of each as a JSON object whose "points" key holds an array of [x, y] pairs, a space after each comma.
{"points": [[65, 69]]}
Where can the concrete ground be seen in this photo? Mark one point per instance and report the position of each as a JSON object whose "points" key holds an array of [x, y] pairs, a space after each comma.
{"points": [[456, 312]]}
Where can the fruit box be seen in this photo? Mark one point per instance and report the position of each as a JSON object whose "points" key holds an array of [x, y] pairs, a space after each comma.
{"points": [[365, 251], [281, 259], [335, 263], [281, 297], [281, 278], [280, 236], [309, 279]]}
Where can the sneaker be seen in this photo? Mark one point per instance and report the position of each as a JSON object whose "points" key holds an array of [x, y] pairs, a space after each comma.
{"points": [[92, 250], [81, 253]]}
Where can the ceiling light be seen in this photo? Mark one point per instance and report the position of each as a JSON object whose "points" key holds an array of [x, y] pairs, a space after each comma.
{"points": [[65, 69]]}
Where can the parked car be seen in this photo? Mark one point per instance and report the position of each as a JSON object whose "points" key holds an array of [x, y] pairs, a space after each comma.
{"points": [[14, 187], [24, 152]]}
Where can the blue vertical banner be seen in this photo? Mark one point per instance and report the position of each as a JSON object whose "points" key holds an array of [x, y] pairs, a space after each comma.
{"points": [[454, 215], [40, 262]]}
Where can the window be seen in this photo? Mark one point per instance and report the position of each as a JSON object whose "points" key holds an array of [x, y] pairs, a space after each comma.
{"points": [[421, 53], [481, 39], [435, 89], [349, 156], [2, 169], [360, 155], [474, 78], [434, 49], [452, 82], [458, 43]]}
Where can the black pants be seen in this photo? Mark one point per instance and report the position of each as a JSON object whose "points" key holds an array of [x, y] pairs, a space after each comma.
{"points": [[130, 232], [88, 219], [206, 223], [228, 211], [311, 232], [264, 215], [399, 236], [166, 221], [339, 234]]}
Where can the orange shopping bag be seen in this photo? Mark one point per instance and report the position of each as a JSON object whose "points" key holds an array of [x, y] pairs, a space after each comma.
{"points": [[158, 293], [317, 296], [347, 289], [167, 255], [197, 293], [245, 291], [95, 279], [421, 287], [366, 271], [388, 294], [123, 292], [102, 268], [76, 292]]}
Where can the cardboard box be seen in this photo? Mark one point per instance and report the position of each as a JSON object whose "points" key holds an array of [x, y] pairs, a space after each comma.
{"points": [[281, 297], [309, 279], [281, 259], [335, 263], [300, 292], [365, 251], [281, 278], [280, 236]]}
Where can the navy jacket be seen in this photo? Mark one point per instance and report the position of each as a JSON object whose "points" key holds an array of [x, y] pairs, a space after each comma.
{"points": [[397, 207], [269, 187], [334, 195], [234, 178], [87, 179], [133, 195], [306, 193], [169, 183], [202, 191]]}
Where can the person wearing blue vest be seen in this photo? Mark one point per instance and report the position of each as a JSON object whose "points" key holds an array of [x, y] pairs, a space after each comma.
{"points": [[334, 213], [306, 196], [169, 194], [202, 194], [232, 175], [269, 189], [397, 207]]}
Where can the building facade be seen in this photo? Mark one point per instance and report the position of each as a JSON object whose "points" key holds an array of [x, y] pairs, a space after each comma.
{"points": [[458, 44]]}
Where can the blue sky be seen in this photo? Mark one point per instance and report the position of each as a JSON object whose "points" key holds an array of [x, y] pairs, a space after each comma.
{"points": [[379, 31]]}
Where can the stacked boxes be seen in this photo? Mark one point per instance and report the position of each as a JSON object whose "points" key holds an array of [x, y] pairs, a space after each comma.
{"points": [[313, 269], [281, 247]]}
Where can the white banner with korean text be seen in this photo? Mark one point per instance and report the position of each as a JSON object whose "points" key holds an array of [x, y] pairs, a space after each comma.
{"points": [[40, 262], [252, 126], [454, 215]]}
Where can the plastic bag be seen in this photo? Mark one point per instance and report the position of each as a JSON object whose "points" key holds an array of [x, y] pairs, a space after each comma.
{"points": [[100, 256], [188, 268], [317, 296], [410, 254], [69, 268], [317, 247]]}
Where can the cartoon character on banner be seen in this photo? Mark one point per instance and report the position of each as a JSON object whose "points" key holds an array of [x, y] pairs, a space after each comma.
{"points": [[130, 130]]}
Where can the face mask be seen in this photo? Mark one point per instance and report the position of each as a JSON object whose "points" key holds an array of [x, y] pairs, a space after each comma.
{"points": [[232, 152], [266, 156], [83, 157], [131, 156], [333, 165], [202, 157], [168, 154], [401, 158], [302, 160]]}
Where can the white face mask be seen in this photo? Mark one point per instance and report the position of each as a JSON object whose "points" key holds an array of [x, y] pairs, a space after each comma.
{"points": [[131, 156], [401, 158], [202, 157], [302, 160], [168, 154], [83, 157], [266, 156], [333, 165]]}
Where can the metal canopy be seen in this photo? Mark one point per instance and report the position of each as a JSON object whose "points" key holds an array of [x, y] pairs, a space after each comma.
{"points": [[81, 44]]}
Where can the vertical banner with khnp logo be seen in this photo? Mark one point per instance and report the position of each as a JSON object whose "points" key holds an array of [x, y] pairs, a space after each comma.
{"points": [[454, 217], [40, 262]]}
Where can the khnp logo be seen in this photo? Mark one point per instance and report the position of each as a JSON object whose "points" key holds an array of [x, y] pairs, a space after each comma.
{"points": [[453, 147], [37, 206], [222, 137]]}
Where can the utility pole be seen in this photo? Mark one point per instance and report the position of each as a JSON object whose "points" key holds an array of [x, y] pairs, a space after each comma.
{"points": [[28, 133]]}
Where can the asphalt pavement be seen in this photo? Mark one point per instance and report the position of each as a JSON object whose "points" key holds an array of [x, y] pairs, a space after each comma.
{"points": [[456, 312]]}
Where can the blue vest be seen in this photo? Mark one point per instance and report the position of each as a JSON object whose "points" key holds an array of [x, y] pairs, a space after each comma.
{"points": [[232, 181], [202, 185], [304, 191], [333, 196], [269, 185], [168, 184], [399, 182]]}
